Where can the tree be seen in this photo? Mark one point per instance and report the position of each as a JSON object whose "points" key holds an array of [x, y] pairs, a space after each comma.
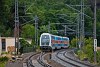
{"points": [[28, 31], [8, 32], [44, 28], [2, 29]]}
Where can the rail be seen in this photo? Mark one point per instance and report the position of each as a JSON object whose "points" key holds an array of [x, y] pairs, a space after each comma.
{"points": [[77, 63], [40, 60], [29, 60]]}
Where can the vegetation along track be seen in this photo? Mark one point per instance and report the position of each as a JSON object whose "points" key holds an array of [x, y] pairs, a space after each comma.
{"points": [[41, 61], [62, 55]]}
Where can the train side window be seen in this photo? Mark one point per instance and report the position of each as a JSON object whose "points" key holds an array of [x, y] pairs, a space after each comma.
{"points": [[66, 39], [59, 38], [52, 37]]}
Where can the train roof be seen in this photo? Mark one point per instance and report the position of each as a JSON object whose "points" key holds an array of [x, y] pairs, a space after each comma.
{"points": [[56, 35], [52, 35], [65, 37], [45, 34], [49, 34]]}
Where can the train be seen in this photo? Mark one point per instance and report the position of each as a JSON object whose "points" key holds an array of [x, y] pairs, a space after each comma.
{"points": [[51, 42]]}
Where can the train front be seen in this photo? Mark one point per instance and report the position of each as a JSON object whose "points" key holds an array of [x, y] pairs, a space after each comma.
{"points": [[45, 42]]}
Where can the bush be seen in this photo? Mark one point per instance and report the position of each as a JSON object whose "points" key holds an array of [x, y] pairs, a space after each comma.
{"points": [[23, 44], [81, 55], [4, 53], [98, 57], [87, 50], [3, 59], [73, 42]]}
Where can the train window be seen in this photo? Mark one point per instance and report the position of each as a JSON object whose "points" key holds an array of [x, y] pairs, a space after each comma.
{"points": [[45, 36], [45, 40], [65, 38], [52, 37], [59, 38]]}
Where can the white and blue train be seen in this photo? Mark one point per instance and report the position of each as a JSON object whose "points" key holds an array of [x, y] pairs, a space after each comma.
{"points": [[49, 41]]}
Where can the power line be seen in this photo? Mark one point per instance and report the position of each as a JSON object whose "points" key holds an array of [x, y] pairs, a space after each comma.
{"points": [[78, 11]]}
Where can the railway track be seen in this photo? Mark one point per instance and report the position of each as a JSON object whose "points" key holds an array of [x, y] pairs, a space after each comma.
{"points": [[29, 60], [40, 61], [62, 55], [80, 62], [43, 63]]}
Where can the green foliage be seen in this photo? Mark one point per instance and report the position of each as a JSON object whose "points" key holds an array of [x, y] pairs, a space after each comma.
{"points": [[2, 64], [2, 29], [98, 31], [98, 57], [5, 16], [24, 44], [88, 41], [81, 54], [8, 32], [47, 10], [4, 53], [33, 43], [28, 31], [88, 49], [44, 28], [28, 49], [73, 42], [3, 59]]}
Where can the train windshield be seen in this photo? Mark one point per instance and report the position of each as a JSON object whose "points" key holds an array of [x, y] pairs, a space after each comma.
{"points": [[45, 40]]}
